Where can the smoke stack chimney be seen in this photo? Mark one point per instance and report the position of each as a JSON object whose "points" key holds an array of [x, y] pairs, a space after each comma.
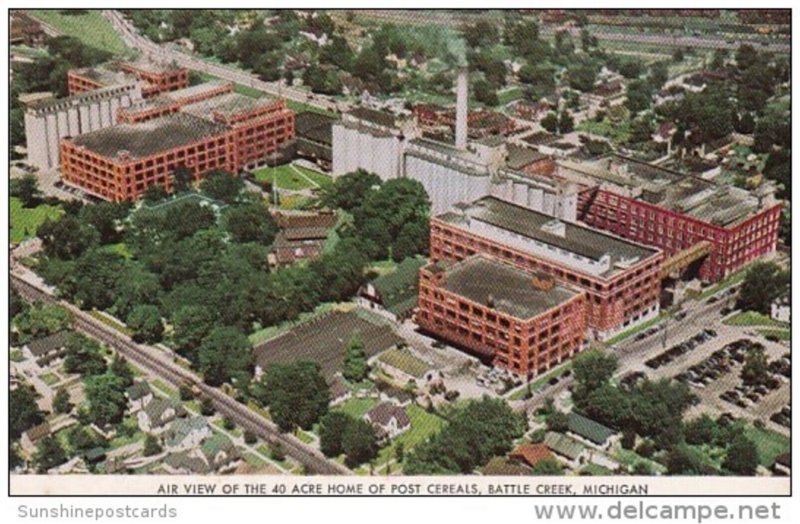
{"points": [[462, 101]]}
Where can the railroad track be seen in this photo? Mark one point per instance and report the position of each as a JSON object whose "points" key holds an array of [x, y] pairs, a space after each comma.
{"points": [[163, 367]]}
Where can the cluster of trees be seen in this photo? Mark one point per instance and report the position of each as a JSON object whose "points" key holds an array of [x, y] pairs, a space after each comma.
{"points": [[654, 412], [390, 219], [296, 394], [342, 433], [48, 72], [475, 433], [763, 283]]}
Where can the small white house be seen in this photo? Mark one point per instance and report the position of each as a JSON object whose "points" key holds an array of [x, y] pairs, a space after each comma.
{"points": [[157, 414], [781, 310], [389, 420]]}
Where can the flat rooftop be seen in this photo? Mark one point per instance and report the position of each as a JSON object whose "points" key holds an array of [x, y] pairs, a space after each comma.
{"points": [[228, 105], [684, 193], [578, 239], [381, 118], [150, 137], [484, 280], [106, 74], [152, 66], [194, 90], [314, 126]]}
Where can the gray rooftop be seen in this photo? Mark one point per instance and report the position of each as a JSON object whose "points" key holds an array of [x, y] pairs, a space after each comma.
{"points": [[151, 137], [577, 239], [195, 89], [228, 105], [484, 280]]}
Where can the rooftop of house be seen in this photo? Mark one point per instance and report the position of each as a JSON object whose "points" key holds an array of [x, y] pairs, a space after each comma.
{"points": [[589, 429], [182, 428], [157, 408], [563, 445], [721, 205], [138, 390], [531, 454], [502, 467], [501, 287], [214, 445], [44, 345], [400, 284], [576, 238], [148, 138], [383, 413]]}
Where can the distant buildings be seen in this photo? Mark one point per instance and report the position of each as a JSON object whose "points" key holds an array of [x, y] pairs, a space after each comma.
{"points": [[302, 236], [154, 77]]}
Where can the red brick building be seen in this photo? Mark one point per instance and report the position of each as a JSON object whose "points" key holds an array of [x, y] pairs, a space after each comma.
{"points": [[520, 321], [622, 279], [233, 132], [118, 163], [156, 78], [675, 212]]}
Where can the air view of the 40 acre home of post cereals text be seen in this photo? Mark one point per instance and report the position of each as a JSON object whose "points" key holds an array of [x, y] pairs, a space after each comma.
{"points": [[399, 252]]}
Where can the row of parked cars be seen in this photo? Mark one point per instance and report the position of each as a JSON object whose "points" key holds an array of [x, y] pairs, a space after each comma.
{"points": [[716, 364], [746, 395], [783, 417], [664, 358]]}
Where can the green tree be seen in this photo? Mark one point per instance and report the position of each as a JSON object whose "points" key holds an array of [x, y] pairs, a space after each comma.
{"points": [[136, 285], [581, 76], [145, 321], [61, 401], [550, 122], [190, 325], [207, 407], [24, 413], [250, 223], [154, 194], [83, 355], [26, 189], [566, 123], [638, 95], [182, 178], [122, 370], [81, 439], [106, 399], [296, 393], [104, 217], [355, 360], [548, 467], [222, 186], [701, 430], [49, 454], [151, 446], [224, 356], [359, 443], [755, 369], [741, 457], [485, 93], [350, 190], [66, 237], [557, 421], [250, 437], [763, 283], [591, 369], [332, 427]]}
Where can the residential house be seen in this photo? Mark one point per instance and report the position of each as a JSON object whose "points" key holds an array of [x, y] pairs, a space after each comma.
{"points": [[530, 454], [158, 413], [46, 349], [32, 436], [302, 236], [139, 395], [186, 433], [389, 420], [781, 309], [503, 467], [220, 453], [395, 292], [567, 449], [589, 431], [339, 391]]}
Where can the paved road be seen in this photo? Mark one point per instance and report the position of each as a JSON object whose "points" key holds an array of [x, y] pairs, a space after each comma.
{"points": [[158, 363], [133, 39]]}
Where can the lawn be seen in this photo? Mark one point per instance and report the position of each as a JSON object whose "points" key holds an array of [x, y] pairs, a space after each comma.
{"points": [[25, 221], [753, 318], [357, 407], [780, 334], [617, 133], [49, 378], [166, 389], [16, 356], [770, 444], [423, 426], [89, 27], [292, 177], [509, 95], [111, 322], [294, 202]]}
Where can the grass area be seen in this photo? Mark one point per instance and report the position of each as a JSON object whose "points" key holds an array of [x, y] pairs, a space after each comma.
{"points": [[423, 426], [617, 133], [272, 331], [595, 470], [264, 450], [628, 457], [120, 248], [383, 266], [636, 329], [509, 95], [730, 280], [16, 356], [220, 423], [49, 378], [105, 319], [89, 27], [357, 407], [124, 438], [25, 221], [753, 318], [294, 202], [770, 444], [321, 179], [299, 107], [779, 334], [254, 460], [405, 361], [285, 177], [166, 389], [519, 394], [305, 437]]}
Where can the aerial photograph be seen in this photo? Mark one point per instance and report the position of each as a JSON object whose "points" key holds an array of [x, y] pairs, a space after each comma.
{"points": [[400, 243]]}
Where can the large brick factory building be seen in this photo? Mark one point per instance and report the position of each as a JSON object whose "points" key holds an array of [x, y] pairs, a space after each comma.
{"points": [[523, 322], [203, 128], [156, 77], [719, 227], [622, 279]]}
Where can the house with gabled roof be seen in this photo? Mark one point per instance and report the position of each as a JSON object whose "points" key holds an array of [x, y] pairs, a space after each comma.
{"points": [[589, 431], [220, 453], [389, 420], [158, 413], [530, 454], [186, 433], [139, 395]]}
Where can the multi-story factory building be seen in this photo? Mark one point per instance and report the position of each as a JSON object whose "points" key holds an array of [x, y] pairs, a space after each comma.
{"points": [[118, 163], [155, 77], [622, 279], [719, 228], [232, 132], [520, 321]]}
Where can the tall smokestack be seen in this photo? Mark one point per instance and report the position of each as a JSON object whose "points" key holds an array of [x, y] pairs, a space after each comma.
{"points": [[462, 101]]}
